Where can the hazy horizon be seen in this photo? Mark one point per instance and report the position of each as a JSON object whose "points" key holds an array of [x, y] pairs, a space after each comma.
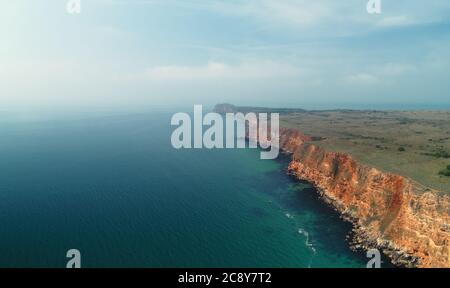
{"points": [[133, 55]]}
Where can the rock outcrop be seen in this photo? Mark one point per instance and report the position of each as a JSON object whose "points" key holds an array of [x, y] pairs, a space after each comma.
{"points": [[407, 221]]}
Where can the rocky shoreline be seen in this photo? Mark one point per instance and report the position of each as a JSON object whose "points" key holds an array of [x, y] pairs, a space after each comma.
{"points": [[405, 220], [358, 240], [393, 225]]}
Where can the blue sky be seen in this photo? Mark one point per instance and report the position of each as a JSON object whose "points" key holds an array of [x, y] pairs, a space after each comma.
{"points": [[121, 54]]}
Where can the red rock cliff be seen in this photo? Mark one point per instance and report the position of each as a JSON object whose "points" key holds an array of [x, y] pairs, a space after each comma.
{"points": [[410, 223], [405, 220]]}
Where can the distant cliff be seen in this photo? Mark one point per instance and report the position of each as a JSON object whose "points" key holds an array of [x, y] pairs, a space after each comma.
{"points": [[405, 220]]}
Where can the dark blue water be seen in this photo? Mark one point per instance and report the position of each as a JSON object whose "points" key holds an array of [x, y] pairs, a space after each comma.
{"points": [[114, 188]]}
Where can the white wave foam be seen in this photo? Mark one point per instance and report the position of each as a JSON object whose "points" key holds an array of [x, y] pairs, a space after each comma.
{"points": [[307, 242]]}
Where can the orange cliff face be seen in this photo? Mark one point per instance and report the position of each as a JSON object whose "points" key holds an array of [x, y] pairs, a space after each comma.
{"points": [[405, 220]]}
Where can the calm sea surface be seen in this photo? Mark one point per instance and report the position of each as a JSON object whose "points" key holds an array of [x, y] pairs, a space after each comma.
{"points": [[114, 188]]}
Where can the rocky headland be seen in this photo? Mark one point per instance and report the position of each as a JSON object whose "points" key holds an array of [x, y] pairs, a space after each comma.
{"points": [[406, 220]]}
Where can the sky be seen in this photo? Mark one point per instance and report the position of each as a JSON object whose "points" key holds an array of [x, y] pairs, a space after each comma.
{"points": [[133, 54]]}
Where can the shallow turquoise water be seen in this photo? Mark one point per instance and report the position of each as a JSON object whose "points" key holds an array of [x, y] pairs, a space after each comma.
{"points": [[114, 188]]}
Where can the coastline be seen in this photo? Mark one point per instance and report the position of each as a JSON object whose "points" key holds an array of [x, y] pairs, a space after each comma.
{"points": [[405, 220], [353, 240]]}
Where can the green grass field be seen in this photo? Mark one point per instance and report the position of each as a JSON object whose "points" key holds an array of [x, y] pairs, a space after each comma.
{"points": [[415, 144]]}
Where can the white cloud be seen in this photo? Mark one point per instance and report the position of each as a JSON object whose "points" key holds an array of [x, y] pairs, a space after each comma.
{"points": [[379, 73], [326, 16], [395, 21], [361, 79], [285, 14], [298, 13], [218, 70], [395, 69]]}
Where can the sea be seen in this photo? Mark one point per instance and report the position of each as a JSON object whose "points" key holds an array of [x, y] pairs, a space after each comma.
{"points": [[113, 187]]}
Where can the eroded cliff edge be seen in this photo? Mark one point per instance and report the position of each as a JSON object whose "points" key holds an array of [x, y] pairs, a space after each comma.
{"points": [[409, 222]]}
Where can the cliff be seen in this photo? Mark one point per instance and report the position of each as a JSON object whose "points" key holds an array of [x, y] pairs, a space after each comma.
{"points": [[405, 220], [409, 222]]}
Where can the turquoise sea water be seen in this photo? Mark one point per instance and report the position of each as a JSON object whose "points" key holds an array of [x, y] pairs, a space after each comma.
{"points": [[114, 188]]}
